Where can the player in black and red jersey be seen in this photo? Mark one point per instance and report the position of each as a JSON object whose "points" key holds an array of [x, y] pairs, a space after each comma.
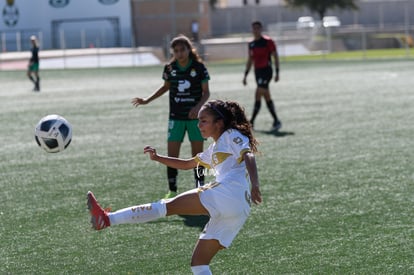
{"points": [[186, 77], [261, 51]]}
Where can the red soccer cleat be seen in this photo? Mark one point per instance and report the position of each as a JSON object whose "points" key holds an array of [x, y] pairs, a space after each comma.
{"points": [[99, 216]]}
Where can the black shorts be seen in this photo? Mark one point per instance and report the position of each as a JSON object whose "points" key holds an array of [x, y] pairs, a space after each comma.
{"points": [[263, 77]]}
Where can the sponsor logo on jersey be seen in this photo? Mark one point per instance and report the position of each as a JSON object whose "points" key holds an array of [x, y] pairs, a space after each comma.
{"points": [[203, 171], [238, 140], [179, 99], [183, 85]]}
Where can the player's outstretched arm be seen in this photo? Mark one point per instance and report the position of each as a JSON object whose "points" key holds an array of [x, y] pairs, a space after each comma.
{"points": [[159, 92], [177, 163], [276, 59], [254, 178], [136, 101]]}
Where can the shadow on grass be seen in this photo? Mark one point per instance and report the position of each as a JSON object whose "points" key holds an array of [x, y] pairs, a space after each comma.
{"points": [[195, 221], [276, 133], [188, 220]]}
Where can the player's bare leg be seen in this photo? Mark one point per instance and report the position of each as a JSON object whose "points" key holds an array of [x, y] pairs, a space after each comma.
{"points": [[203, 253], [187, 203], [265, 93], [174, 148], [196, 147]]}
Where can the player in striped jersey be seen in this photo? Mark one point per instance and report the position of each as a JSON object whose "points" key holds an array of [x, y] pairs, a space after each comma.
{"points": [[186, 78]]}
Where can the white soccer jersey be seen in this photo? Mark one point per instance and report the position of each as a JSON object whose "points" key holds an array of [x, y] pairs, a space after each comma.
{"points": [[224, 157], [228, 199]]}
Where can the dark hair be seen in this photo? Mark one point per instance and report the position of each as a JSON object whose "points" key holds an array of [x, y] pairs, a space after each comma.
{"points": [[185, 41], [257, 23], [234, 117]]}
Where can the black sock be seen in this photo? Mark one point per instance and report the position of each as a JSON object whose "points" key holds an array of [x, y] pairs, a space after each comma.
{"points": [[38, 83], [256, 109], [172, 178], [272, 109]]}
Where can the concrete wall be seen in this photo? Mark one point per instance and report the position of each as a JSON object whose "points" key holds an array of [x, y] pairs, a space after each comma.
{"points": [[156, 22]]}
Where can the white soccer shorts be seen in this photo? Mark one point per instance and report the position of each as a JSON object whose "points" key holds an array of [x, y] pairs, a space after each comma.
{"points": [[229, 206]]}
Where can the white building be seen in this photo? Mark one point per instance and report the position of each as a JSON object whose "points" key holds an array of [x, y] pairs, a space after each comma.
{"points": [[65, 23]]}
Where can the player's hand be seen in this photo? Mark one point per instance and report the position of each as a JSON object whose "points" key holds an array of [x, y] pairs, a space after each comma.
{"points": [[276, 77], [244, 81], [256, 195], [138, 101], [151, 152], [193, 114]]}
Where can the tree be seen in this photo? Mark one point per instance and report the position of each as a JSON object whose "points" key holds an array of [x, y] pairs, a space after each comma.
{"points": [[321, 6]]}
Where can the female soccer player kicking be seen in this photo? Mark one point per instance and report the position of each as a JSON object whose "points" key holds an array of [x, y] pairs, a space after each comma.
{"points": [[226, 200]]}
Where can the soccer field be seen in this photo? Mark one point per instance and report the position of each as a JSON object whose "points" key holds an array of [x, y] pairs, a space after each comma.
{"points": [[337, 180]]}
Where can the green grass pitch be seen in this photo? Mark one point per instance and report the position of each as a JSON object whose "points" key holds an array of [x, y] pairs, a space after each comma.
{"points": [[337, 180]]}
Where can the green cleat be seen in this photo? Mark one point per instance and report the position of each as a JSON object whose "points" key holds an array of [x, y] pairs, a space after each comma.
{"points": [[170, 194]]}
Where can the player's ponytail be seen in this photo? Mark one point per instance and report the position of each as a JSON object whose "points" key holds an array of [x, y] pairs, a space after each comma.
{"points": [[241, 123], [233, 117]]}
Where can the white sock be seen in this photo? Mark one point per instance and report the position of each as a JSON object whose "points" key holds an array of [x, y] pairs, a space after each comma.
{"points": [[201, 270], [139, 214]]}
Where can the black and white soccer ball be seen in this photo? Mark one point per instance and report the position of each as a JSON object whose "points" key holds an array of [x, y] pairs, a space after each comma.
{"points": [[53, 133]]}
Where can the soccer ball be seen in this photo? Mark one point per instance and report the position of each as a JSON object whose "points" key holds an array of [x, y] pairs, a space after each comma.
{"points": [[53, 133]]}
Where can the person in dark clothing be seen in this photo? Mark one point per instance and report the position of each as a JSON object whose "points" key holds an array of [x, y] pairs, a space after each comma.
{"points": [[33, 67], [261, 50], [186, 78]]}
